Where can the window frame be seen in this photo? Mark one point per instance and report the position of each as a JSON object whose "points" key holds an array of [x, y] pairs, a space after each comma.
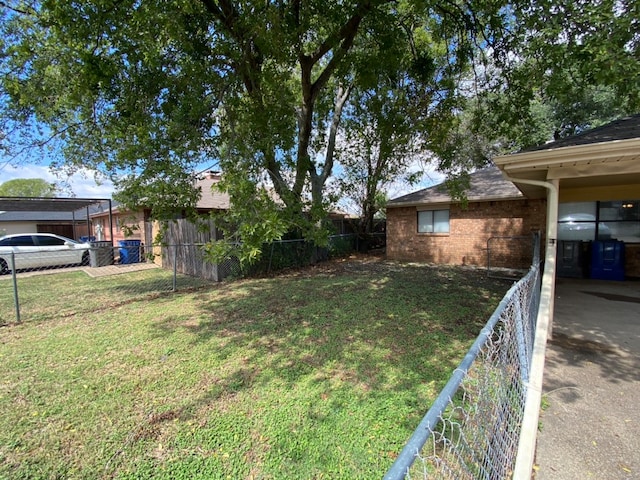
{"points": [[600, 224], [433, 212], [14, 241]]}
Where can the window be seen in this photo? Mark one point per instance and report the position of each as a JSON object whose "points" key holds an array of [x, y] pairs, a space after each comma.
{"points": [[46, 241], [433, 221], [618, 220], [577, 221], [17, 241]]}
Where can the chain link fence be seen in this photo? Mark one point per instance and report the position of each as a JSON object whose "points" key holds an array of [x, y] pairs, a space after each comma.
{"points": [[299, 253], [473, 428], [99, 279], [103, 276]]}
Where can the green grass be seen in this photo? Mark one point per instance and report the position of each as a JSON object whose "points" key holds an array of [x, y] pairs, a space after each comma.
{"points": [[56, 293], [320, 374]]}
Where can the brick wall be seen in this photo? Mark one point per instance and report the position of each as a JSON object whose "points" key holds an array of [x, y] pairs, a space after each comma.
{"points": [[470, 229], [632, 260]]}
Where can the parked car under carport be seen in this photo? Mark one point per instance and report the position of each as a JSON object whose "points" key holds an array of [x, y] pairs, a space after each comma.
{"points": [[40, 250]]}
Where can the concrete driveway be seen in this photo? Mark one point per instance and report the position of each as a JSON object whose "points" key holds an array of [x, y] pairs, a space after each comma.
{"points": [[590, 424]]}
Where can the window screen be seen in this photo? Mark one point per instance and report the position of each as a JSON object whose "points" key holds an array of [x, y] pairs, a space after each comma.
{"points": [[433, 221]]}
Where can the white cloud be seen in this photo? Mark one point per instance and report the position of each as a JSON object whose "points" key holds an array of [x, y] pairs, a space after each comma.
{"points": [[430, 176], [82, 184]]}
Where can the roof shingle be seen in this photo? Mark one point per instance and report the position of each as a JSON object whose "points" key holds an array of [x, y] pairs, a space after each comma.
{"points": [[485, 185], [622, 129]]}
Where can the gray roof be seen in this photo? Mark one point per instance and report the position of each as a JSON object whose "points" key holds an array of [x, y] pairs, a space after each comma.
{"points": [[621, 129], [485, 185], [42, 216], [46, 204]]}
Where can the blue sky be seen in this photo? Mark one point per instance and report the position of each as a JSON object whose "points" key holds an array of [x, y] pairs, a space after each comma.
{"points": [[82, 184]]}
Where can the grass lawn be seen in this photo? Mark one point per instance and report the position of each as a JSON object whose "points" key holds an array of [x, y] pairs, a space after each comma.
{"points": [[323, 373]]}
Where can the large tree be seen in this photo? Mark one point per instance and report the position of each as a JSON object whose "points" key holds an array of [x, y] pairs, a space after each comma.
{"points": [[568, 65], [149, 90]]}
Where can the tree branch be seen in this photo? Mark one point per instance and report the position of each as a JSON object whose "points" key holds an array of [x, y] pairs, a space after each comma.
{"points": [[225, 12], [17, 10], [344, 37], [343, 96]]}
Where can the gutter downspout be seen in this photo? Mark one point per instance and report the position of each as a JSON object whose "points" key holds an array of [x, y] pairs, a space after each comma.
{"points": [[527, 444]]}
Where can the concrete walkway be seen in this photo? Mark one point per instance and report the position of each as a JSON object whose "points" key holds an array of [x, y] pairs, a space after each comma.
{"points": [[591, 391]]}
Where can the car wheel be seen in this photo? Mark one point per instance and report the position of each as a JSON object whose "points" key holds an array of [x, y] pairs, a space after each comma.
{"points": [[4, 269], [85, 259]]}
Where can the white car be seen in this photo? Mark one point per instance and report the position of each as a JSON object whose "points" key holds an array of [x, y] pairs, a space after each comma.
{"points": [[37, 250]]}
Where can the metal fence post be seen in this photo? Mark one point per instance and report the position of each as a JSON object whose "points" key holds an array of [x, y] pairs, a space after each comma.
{"points": [[175, 268], [521, 320], [15, 286]]}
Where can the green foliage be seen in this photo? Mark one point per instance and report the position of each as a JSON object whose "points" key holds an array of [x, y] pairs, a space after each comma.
{"points": [[27, 187], [279, 256], [568, 66], [146, 91], [341, 245], [401, 108], [584, 43], [457, 186]]}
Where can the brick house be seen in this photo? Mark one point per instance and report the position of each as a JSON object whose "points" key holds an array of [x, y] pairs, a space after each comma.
{"points": [[495, 226], [582, 193], [137, 226]]}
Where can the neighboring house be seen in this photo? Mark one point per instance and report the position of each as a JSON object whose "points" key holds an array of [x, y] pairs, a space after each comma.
{"points": [[496, 225], [126, 225], [582, 191], [136, 226], [181, 238], [129, 225]]}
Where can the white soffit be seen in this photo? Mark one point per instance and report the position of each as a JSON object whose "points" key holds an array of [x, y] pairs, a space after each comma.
{"points": [[617, 157]]}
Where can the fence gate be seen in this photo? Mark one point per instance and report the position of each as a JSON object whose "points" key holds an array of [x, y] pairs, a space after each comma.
{"points": [[510, 256]]}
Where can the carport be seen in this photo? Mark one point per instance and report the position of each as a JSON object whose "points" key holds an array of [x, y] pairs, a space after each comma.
{"points": [[602, 164], [46, 204]]}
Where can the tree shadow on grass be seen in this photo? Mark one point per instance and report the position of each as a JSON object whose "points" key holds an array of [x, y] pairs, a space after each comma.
{"points": [[388, 328]]}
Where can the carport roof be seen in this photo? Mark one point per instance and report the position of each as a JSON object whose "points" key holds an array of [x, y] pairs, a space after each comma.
{"points": [[607, 156], [43, 204]]}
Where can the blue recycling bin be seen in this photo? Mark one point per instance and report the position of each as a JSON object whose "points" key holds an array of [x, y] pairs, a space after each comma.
{"points": [[607, 260], [129, 251]]}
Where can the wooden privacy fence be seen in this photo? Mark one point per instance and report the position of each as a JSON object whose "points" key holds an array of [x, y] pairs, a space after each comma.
{"points": [[182, 250]]}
